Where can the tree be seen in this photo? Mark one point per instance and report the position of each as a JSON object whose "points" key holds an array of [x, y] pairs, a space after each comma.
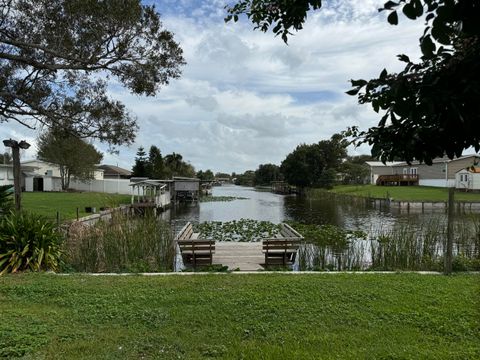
{"points": [[205, 175], [74, 156], [431, 108], [5, 158], [315, 165], [156, 166], [177, 167], [141, 164], [245, 179], [355, 170], [56, 57], [266, 173]]}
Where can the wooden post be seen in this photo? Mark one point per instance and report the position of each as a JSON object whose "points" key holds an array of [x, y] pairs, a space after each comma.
{"points": [[77, 214], [449, 245], [16, 177]]}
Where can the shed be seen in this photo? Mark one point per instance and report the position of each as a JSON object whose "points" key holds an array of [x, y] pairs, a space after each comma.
{"points": [[468, 179]]}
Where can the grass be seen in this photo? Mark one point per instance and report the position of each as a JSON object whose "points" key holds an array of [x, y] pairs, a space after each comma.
{"points": [[264, 316], [121, 244], [48, 203], [400, 193]]}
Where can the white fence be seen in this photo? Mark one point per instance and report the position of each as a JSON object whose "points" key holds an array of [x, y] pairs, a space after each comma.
{"points": [[109, 186]]}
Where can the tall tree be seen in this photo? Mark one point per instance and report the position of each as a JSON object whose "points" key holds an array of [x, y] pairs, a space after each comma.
{"points": [[74, 156], [430, 108], [315, 165], [355, 170], [266, 173], [140, 168], [156, 166], [56, 57]]}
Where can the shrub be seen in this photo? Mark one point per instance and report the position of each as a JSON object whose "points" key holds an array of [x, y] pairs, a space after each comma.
{"points": [[6, 203], [28, 242]]}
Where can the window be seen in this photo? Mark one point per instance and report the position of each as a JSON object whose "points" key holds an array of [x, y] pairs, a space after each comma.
{"points": [[413, 171]]}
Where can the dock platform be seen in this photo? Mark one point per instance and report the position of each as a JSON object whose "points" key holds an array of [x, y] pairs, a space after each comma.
{"points": [[241, 256]]}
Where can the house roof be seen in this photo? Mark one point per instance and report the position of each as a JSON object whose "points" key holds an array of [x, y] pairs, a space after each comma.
{"points": [[379, 163], [114, 170], [473, 169], [404, 163], [440, 160], [182, 178]]}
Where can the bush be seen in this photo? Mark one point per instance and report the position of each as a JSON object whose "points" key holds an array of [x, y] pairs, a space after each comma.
{"points": [[28, 242], [6, 203]]}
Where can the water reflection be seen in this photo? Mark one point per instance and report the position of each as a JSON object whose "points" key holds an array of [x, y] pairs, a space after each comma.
{"points": [[266, 206], [392, 234]]}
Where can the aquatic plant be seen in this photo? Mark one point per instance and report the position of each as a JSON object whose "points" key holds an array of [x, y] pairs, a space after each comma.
{"points": [[243, 230], [122, 244], [221, 198], [329, 247]]}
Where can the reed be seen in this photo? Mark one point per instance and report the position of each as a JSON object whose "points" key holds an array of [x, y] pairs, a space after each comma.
{"points": [[404, 246], [122, 244]]}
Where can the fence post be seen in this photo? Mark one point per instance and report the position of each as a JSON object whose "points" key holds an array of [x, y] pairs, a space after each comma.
{"points": [[58, 219], [77, 215], [449, 248]]}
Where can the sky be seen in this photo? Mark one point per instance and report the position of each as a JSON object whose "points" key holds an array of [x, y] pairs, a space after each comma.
{"points": [[245, 98]]}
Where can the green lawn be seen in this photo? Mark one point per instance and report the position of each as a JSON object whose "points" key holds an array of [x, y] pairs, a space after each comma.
{"points": [[261, 316], [402, 193], [48, 203]]}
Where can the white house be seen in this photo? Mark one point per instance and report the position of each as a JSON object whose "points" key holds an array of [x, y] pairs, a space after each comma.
{"points": [[468, 179], [6, 174], [48, 169], [442, 172], [45, 176]]}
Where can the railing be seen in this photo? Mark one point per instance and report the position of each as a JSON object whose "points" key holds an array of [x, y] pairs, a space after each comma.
{"points": [[410, 178]]}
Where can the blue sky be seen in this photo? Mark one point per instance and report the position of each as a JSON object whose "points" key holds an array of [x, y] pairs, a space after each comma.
{"points": [[246, 98]]}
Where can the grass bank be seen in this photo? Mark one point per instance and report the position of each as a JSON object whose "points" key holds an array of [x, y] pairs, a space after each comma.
{"points": [[400, 193], [48, 203], [321, 316]]}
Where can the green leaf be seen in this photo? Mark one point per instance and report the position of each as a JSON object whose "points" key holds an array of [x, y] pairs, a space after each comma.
{"points": [[393, 18], [409, 11], [383, 74], [427, 46], [389, 5], [359, 82]]}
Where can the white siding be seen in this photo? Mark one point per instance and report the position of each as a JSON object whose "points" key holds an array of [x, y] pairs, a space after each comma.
{"points": [[109, 186], [436, 182]]}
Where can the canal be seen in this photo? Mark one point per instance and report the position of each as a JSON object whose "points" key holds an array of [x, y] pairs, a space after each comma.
{"points": [[258, 205], [394, 239]]}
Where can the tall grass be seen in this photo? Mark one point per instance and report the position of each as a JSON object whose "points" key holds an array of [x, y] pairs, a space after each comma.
{"points": [[405, 246], [122, 244]]}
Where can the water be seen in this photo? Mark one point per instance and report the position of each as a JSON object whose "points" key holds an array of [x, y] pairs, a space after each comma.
{"points": [[396, 239], [266, 206]]}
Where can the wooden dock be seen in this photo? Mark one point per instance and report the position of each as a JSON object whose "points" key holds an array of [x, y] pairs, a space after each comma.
{"points": [[243, 256]]}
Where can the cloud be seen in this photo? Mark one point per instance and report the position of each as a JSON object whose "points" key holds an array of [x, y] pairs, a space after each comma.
{"points": [[246, 98]]}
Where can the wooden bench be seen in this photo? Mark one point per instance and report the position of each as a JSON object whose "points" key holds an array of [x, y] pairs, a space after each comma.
{"points": [[194, 250], [282, 250]]}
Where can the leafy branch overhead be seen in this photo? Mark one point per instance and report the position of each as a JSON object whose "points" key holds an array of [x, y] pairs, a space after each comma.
{"points": [[57, 56], [430, 108]]}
